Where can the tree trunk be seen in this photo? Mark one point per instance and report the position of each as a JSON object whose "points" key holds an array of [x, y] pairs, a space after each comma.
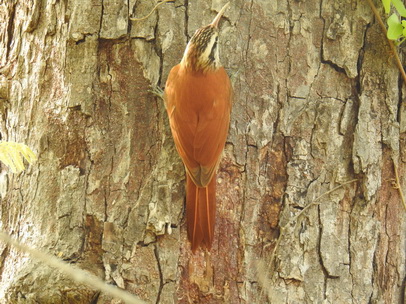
{"points": [[307, 211]]}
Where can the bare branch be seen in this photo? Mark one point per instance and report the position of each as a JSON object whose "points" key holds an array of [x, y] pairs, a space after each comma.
{"points": [[75, 273], [150, 13]]}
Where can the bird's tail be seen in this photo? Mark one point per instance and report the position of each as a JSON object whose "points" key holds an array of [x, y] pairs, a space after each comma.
{"points": [[200, 212]]}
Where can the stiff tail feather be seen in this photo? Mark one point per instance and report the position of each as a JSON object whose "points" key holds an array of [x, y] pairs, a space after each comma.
{"points": [[201, 213]]}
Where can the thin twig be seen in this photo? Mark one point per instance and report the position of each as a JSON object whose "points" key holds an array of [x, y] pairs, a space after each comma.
{"points": [[390, 42], [314, 203], [75, 273], [402, 72], [402, 197], [150, 13], [283, 229]]}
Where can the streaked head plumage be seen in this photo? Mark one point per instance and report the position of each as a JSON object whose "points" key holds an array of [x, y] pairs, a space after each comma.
{"points": [[202, 51]]}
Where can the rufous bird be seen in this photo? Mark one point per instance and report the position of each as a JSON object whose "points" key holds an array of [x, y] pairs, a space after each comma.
{"points": [[198, 101]]}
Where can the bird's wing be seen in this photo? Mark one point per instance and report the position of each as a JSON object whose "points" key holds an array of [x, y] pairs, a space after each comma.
{"points": [[181, 119], [210, 139]]}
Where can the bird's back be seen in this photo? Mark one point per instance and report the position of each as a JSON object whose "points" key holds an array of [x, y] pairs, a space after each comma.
{"points": [[199, 108]]}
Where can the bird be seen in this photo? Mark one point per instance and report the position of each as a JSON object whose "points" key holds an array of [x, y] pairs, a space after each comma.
{"points": [[198, 100]]}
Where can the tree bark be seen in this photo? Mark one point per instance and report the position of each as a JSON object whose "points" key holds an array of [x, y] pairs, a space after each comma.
{"points": [[317, 105]]}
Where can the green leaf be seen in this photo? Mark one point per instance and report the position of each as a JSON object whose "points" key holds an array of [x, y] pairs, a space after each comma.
{"points": [[13, 154], [386, 5], [400, 7], [404, 27], [395, 28]]}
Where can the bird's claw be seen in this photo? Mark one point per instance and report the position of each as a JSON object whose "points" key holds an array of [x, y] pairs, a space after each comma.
{"points": [[157, 91]]}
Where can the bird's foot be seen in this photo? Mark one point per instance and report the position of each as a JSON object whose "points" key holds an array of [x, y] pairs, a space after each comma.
{"points": [[157, 91]]}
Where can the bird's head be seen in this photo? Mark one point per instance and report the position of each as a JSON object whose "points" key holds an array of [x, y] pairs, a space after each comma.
{"points": [[202, 51]]}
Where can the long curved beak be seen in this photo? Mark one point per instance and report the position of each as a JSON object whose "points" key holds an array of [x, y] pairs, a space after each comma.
{"points": [[216, 20]]}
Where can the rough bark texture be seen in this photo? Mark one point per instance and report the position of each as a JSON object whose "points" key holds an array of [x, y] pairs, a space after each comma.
{"points": [[317, 103]]}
